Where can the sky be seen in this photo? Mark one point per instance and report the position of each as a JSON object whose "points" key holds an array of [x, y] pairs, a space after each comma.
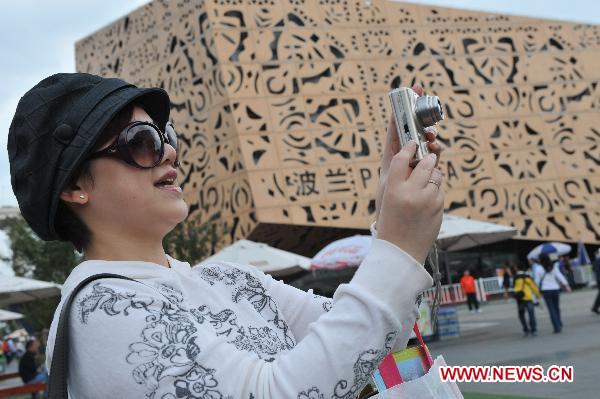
{"points": [[38, 38]]}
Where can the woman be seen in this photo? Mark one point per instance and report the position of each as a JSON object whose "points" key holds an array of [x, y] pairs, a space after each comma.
{"points": [[550, 280], [93, 162]]}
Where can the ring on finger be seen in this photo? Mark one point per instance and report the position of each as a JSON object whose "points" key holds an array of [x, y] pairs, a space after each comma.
{"points": [[434, 182]]}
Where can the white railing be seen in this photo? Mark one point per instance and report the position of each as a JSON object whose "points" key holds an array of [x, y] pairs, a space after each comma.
{"points": [[492, 285], [448, 294], [454, 294]]}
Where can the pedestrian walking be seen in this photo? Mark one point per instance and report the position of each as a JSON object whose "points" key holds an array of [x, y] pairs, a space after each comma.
{"points": [[567, 270], [506, 282], [467, 282], [551, 280], [524, 291], [596, 264]]}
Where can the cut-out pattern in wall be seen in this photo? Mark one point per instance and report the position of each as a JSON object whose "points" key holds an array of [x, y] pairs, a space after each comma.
{"points": [[283, 108]]}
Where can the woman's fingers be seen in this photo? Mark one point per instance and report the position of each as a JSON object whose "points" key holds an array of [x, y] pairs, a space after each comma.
{"points": [[422, 172], [418, 89], [434, 186], [433, 145], [431, 133], [392, 146], [435, 148], [402, 169], [435, 180]]}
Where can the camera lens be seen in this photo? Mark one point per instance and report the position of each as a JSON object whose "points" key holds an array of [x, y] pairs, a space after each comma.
{"points": [[429, 110]]}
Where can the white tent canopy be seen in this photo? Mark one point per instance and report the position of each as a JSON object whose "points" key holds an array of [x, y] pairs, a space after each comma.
{"points": [[21, 333], [6, 315], [346, 252], [270, 260], [455, 234], [20, 289], [460, 233]]}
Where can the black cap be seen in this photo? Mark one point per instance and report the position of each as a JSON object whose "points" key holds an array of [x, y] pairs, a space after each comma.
{"points": [[56, 125]]}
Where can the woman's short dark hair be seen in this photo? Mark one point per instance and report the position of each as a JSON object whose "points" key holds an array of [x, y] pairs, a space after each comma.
{"points": [[67, 224], [29, 343]]}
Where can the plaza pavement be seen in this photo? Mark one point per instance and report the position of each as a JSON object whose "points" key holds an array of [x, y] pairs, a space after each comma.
{"points": [[494, 337]]}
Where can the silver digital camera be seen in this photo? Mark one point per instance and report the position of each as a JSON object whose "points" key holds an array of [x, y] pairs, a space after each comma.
{"points": [[413, 114]]}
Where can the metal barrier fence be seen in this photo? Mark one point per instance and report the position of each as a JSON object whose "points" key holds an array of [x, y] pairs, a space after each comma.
{"points": [[453, 293]]}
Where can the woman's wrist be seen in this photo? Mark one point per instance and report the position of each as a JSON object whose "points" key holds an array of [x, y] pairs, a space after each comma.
{"points": [[408, 251]]}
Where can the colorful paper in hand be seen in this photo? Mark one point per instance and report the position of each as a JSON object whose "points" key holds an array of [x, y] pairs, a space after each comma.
{"points": [[404, 365], [407, 364]]}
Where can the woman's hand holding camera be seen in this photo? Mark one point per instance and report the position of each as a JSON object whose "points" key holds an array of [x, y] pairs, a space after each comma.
{"points": [[410, 202]]}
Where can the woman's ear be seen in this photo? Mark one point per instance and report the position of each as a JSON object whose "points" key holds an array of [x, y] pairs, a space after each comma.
{"points": [[74, 195]]}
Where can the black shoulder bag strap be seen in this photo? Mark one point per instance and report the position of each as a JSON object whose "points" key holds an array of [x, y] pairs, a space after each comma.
{"points": [[59, 369]]}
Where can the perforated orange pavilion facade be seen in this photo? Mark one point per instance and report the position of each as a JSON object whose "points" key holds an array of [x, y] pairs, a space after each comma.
{"points": [[282, 106]]}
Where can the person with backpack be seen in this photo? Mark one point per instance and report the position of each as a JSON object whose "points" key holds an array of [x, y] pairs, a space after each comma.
{"points": [[524, 290], [551, 280]]}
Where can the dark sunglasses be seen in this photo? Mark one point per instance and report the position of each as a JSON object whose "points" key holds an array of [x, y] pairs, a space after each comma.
{"points": [[141, 144]]}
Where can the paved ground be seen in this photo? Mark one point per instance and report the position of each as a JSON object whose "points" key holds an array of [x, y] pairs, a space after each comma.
{"points": [[494, 337]]}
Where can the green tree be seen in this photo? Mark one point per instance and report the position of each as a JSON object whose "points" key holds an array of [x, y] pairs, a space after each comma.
{"points": [[191, 241]]}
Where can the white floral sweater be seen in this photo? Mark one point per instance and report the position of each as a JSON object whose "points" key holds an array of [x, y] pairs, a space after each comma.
{"points": [[224, 330]]}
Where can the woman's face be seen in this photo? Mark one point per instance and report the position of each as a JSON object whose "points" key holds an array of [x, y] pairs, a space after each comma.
{"points": [[128, 199]]}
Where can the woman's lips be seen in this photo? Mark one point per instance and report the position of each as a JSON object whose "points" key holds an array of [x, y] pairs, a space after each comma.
{"points": [[175, 189]]}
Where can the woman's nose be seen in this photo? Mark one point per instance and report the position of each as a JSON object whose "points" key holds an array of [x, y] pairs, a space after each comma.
{"points": [[170, 155]]}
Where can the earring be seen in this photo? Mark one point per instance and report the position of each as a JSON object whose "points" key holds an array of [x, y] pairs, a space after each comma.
{"points": [[81, 196]]}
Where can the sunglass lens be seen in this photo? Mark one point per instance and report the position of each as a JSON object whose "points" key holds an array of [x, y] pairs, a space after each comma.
{"points": [[171, 135], [144, 145]]}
